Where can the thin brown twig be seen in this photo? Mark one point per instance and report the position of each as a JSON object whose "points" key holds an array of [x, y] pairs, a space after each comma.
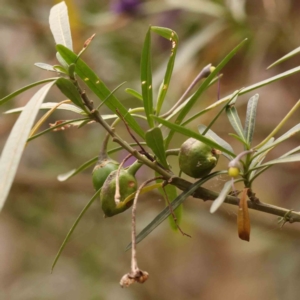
{"points": [[135, 274], [143, 151]]}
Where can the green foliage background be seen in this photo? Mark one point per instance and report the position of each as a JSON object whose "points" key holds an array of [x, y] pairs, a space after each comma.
{"points": [[214, 264]]}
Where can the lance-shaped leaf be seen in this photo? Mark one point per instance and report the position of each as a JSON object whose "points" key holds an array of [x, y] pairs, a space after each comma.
{"points": [[73, 228], [70, 91], [155, 141], [50, 105], [166, 212], [14, 146], [235, 121], [134, 93], [291, 152], [46, 67], [281, 160], [258, 159], [279, 140], [189, 105], [59, 25], [213, 136], [173, 37], [25, 88], [190, 133], [285, 57], [250, 118], [146, 78], [98, 87], [242, 92], [171, 193], [221, 198], [243, 219]]}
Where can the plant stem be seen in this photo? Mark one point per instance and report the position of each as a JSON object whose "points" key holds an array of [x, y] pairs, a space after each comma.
{"points": [[205, 194]]}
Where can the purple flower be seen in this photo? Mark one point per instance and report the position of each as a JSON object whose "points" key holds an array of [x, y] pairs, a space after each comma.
{"points": [[130, 7]]}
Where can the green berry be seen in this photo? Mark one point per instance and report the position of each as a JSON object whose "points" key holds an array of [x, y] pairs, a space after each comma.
{"points": [[197, 159], [101, 171], [128, 185]]}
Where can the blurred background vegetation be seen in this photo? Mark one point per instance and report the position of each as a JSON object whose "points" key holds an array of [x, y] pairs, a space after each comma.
{"points": [[214, 264]]}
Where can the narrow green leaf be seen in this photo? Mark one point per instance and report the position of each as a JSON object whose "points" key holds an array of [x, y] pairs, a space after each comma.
{"points": [[235, 121], [14, 146], [221, 198], [250, 118], [146, 78], [155, 141], [98, 87], [25, 88], [173, 37], [171, 192], [255, 172], [166, 211], [73, 228], [49, 105], [231, 101], [244, 91], [282, 138], [189, 105], [213, 136], [134, 93], [285, 57], [59, 25], [257, 159], [281, 160], [70, 91], [190, 133], [291, 152], [239, 139]]}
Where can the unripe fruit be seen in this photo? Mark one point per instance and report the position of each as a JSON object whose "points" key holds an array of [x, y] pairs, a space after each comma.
{"points": [[233, 172], [103, 168], [197, 159], [128, 185]]}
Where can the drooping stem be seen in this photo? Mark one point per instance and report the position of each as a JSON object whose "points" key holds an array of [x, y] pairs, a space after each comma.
{"points": [[134, 265]]}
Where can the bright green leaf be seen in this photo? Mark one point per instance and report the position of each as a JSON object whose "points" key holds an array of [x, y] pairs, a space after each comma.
{"points": [[73, 228], [25, 88], [155, 141], [189, 105], [134, 93], [243, 91], [98, 87], [70, 91], [171, 36], [190, 133], [285, 57], [166, 212], [146, 78]]}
